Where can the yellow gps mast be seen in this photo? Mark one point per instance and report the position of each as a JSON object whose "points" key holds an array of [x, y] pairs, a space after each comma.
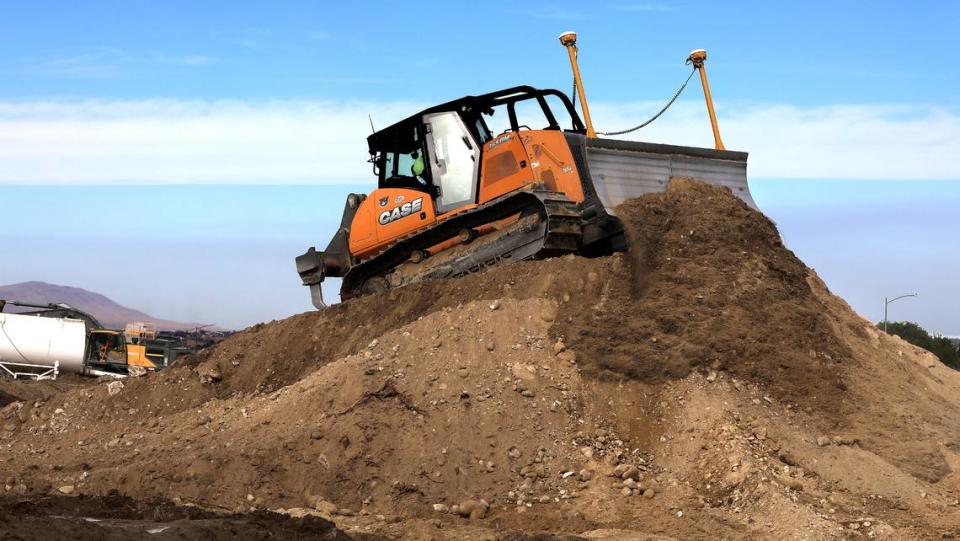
{"points": [[569, 40], [697, 58]]}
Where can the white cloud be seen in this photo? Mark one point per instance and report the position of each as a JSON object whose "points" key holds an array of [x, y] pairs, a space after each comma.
{"points": [[899, 142], [160, 141], [99, 63], [186, 60], [645, 7], [296, 141], [548, 12], [111, 63], [551, 12]]}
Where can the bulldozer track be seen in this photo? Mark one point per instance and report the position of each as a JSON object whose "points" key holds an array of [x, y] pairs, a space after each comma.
{"points": [[557, 232]]}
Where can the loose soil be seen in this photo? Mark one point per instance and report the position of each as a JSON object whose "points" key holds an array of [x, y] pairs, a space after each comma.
{"points": [[703, 385], [115, 517]]}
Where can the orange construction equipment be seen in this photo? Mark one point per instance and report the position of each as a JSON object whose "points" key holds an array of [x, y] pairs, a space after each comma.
{"points": [[454, 196]]}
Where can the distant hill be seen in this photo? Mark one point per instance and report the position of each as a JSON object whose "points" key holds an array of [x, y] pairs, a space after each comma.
{"points": [[110, 314]]}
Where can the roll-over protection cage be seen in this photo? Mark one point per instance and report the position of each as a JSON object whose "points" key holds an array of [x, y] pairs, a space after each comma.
{"points": [[471, 108]]}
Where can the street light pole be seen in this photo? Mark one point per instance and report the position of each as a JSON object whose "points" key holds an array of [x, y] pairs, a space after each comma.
{"points": [[886, 302]]}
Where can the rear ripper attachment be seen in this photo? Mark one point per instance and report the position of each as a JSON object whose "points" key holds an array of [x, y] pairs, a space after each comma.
{"points": [[460, 190]]}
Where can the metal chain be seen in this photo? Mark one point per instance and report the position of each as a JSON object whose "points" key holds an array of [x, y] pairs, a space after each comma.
{"points": [[656, 116]]}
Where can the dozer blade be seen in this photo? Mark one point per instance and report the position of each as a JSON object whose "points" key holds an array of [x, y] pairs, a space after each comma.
{"points": [[622, 170]]}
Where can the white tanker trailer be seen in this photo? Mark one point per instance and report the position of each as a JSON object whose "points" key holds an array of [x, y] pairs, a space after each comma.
{"points": [[42, 347]]}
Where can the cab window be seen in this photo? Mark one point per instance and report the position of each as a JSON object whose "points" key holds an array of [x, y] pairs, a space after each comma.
{"points": [[405, 167], [401, 161]]}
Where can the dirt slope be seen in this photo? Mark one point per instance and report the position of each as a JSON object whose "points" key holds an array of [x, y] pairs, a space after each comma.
{"points": [[704, 385], [710, 285]]}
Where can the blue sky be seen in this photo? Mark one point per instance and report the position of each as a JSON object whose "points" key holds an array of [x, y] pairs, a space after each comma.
{"points": [[805, 53], [239, 126]]}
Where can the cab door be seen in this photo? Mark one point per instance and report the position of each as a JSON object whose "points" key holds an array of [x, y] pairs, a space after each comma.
{"points": [[454, 160]]}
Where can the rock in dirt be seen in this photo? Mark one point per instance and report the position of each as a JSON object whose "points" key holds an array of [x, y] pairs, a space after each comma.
{"points": [[210, 374], [630, 472], [320, 504], [841, 440], [474, 509], [793, 485], [136, 371], [114, 387], [788, 458]]}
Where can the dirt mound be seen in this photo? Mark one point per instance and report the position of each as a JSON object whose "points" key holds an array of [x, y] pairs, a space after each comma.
{"points": [[703, 385], [269, 356], [708, 283], [29, 390]]}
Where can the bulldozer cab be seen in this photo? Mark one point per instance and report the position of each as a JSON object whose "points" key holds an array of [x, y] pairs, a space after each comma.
{"points": [[438, 151]]}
